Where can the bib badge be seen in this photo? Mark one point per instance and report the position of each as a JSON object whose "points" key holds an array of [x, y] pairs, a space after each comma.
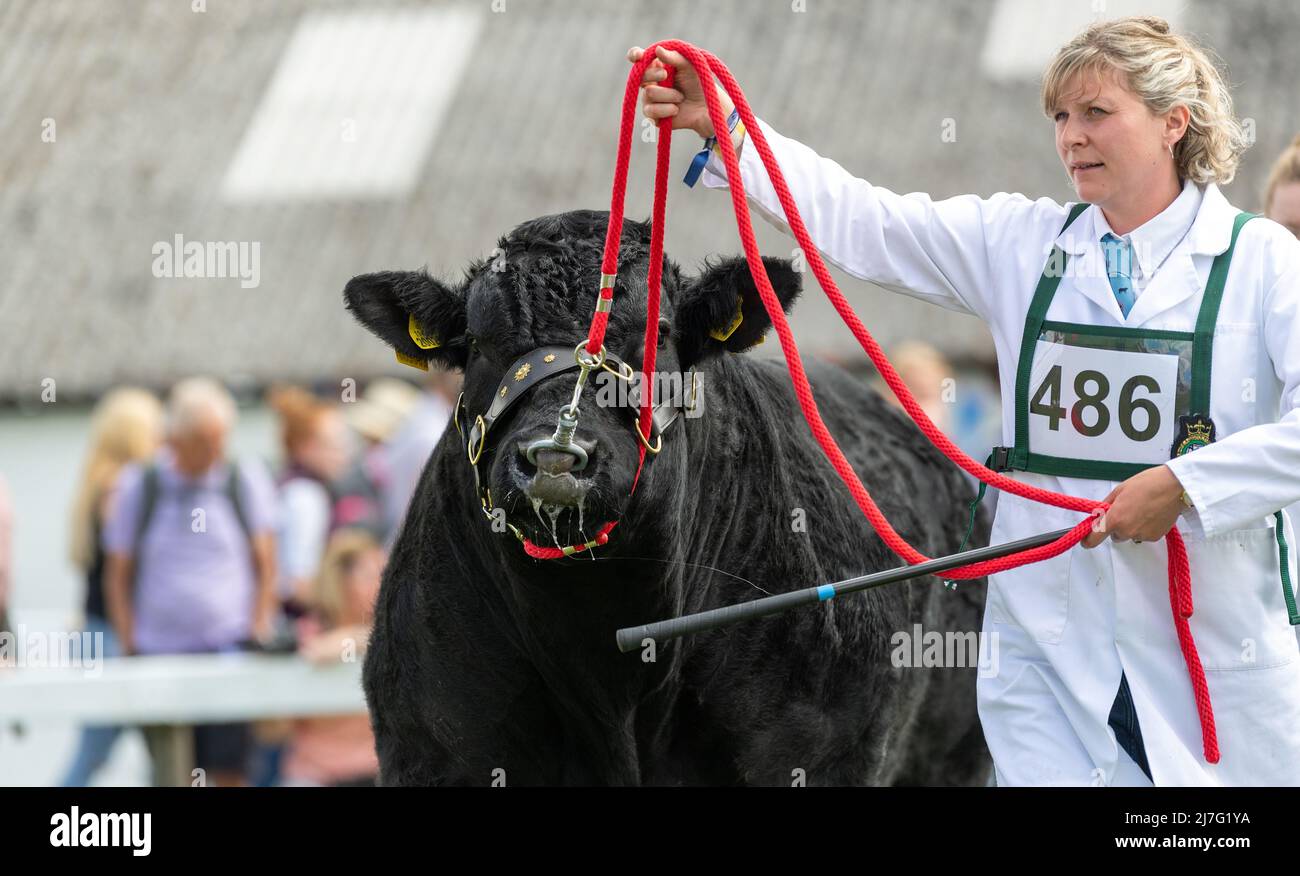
{"points": [[1194, 431]]}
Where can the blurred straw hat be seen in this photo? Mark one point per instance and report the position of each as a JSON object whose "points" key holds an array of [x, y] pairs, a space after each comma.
{"points": [[386, 402]]}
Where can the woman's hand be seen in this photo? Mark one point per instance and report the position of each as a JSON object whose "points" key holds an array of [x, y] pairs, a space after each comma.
{"points": [[684, 103], [1143, 508]]}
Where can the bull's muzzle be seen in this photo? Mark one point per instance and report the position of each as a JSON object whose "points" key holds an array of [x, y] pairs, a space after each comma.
{"points": [[553, 457], [562, 441]]}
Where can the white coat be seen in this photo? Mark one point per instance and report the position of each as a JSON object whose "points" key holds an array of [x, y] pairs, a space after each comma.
{"points": [[1068, 627]]}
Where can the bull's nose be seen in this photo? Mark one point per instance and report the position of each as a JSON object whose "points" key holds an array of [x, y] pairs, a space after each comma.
{"points": [[552, 460]]}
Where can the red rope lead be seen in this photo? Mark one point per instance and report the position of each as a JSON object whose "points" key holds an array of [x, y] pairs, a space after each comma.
{"points": [[1180, 595], [609, 266], [1179, 573]]}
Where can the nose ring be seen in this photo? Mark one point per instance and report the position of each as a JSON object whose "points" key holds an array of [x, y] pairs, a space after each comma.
{"points": [[562, 440]]}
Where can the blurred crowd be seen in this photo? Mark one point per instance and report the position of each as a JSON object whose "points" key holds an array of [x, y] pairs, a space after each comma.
{"points": [[186, 550]]}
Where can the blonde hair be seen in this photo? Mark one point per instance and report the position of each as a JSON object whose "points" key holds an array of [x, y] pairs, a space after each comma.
{"points": [[329, 598], [1165, 70], [126, 427], [1285, 170]]}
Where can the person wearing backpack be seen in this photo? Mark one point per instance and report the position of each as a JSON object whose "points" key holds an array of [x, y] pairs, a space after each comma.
{"points": [[190, 554]]}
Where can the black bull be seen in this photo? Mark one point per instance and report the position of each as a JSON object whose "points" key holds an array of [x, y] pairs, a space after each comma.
{"points": [[487, 665]]}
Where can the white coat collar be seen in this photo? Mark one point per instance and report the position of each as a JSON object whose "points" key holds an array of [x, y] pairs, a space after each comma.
{"points": [[1173, 283], [1153, 241], [1211, 231]]}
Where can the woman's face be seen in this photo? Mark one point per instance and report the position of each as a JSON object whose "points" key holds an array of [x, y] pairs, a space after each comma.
{"points": [[327, 452], [1284, 208], [1112, 146]]}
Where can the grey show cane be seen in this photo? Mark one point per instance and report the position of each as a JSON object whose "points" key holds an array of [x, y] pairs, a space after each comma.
{"points": [[630, 638]]}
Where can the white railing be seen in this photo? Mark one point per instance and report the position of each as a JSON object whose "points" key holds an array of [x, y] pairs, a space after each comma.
{"points": [[166, 695]]}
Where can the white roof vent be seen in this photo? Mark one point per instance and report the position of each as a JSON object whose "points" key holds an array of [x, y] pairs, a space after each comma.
{"points": [[354, 106]]}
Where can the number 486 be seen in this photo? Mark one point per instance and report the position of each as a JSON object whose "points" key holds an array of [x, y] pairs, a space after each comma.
{"points": [[1095, 398]]}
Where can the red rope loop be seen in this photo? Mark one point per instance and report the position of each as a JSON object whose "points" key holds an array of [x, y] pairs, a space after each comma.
{"points": [[708, 66]]}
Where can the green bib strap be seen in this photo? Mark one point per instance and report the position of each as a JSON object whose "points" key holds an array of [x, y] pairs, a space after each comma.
{"points": [[1284, 564], [1043, 295], [1208, 318]]}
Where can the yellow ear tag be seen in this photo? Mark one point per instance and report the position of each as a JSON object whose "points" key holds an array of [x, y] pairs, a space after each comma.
{"points": [[423, 341], [735, 323], [411, 360]]}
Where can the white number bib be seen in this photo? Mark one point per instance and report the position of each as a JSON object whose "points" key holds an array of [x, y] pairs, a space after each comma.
{"points": [[1103, 405]]}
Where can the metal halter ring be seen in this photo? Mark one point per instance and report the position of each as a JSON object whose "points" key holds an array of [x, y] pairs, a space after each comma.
{"points": [[589, 361], [482, 441], [619, 373], [659, 439], [455, 414], [694, 400]]}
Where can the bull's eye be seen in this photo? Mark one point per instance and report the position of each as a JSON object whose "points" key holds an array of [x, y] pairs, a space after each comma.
{"points": [[664, 328], [473, 344]]}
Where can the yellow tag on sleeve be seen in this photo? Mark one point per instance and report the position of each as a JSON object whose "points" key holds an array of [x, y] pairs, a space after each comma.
{"points": [[422, 340]]}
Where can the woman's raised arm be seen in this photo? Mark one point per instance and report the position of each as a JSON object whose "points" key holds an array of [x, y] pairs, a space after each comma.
{"points": [[944, 252]]}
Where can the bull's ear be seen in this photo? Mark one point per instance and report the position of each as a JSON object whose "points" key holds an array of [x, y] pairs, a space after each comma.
{"points": [[423, 319], [722, 311]]}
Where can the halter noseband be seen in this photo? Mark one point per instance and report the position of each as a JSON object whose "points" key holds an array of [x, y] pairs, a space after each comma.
{"points": [[531, 369]]}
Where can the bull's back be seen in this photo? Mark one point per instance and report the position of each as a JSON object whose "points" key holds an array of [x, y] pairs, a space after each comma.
{"points": [[920, 490]]}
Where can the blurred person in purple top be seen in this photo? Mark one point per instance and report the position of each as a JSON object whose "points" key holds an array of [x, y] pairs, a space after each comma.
{"points": [[191, 553]]}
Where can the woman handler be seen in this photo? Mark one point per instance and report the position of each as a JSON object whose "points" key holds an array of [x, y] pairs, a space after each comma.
{"points": [[1147, 320]]}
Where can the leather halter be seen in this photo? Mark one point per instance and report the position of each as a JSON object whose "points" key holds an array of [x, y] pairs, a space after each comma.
{"points": [[531, 369]]}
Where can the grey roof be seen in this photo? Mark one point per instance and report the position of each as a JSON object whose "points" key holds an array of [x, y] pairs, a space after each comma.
{"points": [[151, 100]]}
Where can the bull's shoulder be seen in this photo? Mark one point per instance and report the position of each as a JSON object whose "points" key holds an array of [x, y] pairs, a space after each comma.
{"points": [[848, 404]]}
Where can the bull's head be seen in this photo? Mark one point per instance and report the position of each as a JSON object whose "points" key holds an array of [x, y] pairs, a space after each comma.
{"points": [[539, 290]]}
